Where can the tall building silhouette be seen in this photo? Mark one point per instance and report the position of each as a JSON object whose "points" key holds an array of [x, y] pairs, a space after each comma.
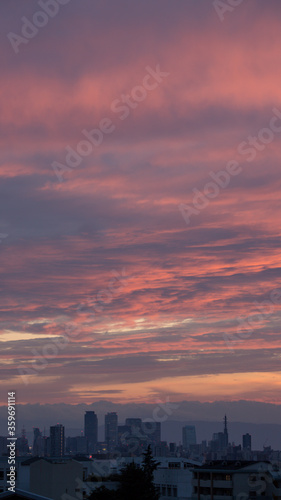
{"points": [[22, 443], [225, 432], [153, 431], [188, 436], [111, 429], [57, 440], [91, 430], [38, 443], [247, 442], [123, 432], [134, 422]]}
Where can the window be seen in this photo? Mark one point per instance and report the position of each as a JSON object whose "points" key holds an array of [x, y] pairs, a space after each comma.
{"points": [[222, 492], [221, 477], [205, 476], [228, 477], [205, 491], [1, 474]]}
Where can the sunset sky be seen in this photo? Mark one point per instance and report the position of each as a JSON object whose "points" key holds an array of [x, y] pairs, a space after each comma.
{"points": [[108, 289]]}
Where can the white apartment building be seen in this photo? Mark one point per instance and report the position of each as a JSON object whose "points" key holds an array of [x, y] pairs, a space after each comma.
{"points": [[229, 480]]}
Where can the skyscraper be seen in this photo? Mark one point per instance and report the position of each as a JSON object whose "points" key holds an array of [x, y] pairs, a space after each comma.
{"points": [[57, 440], [225, 432], [38, 443], [153, 431], [247, 442], [124, 432], [188, 436], [134, 422], [91, 430], [111, 429], [22, 443]]}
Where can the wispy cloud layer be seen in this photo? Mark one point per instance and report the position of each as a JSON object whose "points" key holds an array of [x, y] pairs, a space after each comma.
{"points": [[174, 326]]}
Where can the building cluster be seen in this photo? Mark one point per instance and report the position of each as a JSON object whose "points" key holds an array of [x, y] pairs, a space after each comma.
{"points": [[61, 468], [220, 448], [71, 478], [132, 439]]}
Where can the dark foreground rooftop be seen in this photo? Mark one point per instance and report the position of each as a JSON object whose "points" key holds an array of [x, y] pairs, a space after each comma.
{"points": [[21, 495]]}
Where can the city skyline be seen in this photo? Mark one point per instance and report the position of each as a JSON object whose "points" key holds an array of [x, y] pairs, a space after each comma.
{"points": [[116, 434], [263, 430]]}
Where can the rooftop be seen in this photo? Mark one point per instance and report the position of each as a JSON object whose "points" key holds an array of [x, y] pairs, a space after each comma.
{"points": [[21, 495], [228, 464]]}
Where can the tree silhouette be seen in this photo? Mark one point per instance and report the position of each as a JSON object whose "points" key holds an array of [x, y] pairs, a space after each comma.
{"points": [[149, 465], [103, 493], [132, 483], [136, 483]]}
